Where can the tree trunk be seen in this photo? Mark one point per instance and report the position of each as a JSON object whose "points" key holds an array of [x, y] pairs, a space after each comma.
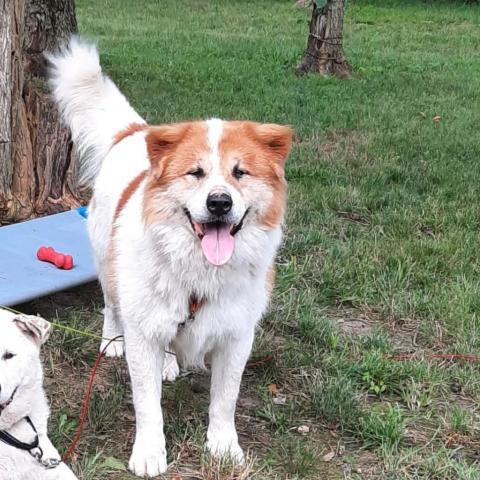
{"points": [[324, 52], [38, 167]]}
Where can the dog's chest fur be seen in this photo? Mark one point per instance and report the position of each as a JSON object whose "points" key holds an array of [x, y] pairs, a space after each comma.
{"points": [[168, 268]]}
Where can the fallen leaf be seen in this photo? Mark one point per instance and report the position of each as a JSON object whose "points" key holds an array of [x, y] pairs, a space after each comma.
{"points": [[328, 457], [423, 114], [273, 389], [303, 429], [436, 118], [280, 399], [113, 463]]}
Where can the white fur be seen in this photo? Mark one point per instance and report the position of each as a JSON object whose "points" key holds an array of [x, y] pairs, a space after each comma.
{"points": [[194, 199], [215, 130], [24, 373], [90, 102], [157, 269]]}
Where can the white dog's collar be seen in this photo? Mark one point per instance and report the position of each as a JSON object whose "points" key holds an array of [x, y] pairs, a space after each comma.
{"points": [[33, 448]]}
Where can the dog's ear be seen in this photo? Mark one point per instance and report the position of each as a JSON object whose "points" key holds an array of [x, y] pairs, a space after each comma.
{"points": [[276, 138], [36, 329], [161, 141]]}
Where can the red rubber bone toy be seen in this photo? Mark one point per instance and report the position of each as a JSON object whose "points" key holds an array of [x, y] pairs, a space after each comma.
{"points": [[48, 254]]}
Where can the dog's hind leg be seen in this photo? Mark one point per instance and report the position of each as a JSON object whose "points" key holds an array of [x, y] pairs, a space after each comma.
{"points": [[100, 233], [111, 328], [170, 367]]}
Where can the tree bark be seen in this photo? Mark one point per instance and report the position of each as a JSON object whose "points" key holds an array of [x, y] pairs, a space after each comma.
{"points": [[324, 52], [38, 166]]}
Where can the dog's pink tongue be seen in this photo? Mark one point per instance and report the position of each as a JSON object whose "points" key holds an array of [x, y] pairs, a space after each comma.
{"points": [[218, 243]]}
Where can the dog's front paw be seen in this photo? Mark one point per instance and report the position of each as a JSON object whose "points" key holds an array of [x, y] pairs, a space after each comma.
{"points": [[115, 349], [149, 459], [50, 452], [225, 444], [170, 367], [62, 472]]}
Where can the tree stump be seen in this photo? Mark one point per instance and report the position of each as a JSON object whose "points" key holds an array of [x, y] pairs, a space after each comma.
{"points": [[324, 52], [38, 166]]}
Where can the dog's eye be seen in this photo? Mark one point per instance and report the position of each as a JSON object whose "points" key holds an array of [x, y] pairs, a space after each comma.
{"points": [[238, 173], [197, 172], [8, 356]]}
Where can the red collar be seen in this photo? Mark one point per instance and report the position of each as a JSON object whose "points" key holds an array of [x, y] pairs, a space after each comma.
{"points": [[194, 305]]}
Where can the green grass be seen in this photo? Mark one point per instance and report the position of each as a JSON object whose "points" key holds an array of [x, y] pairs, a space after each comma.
{"points": [[381, 250]]}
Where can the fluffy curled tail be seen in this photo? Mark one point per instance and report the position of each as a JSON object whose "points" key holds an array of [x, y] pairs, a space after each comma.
{"points": [[90, 103]]}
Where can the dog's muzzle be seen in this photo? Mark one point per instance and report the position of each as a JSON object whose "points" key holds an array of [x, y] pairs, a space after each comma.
{"points": [[217, 234], [3, 406]]}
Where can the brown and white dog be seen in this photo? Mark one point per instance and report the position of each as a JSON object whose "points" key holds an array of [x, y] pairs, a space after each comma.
{"points": [[185, 222]]}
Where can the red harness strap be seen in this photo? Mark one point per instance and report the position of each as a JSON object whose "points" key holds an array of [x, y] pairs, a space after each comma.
{"points": [[194, 305]]}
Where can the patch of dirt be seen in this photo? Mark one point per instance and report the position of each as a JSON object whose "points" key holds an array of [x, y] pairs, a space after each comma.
{"points": [[355, 217], [341, 143], [84, 297], [423, 230], [363, 321], [353, 322], [367, 465]]}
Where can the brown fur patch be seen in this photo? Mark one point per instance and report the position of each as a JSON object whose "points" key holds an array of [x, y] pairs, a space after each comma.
{"points": [[261, 150], [176, 148], [109, 282], [271, 274], [126, 132], [128, 192], [173, 150]]}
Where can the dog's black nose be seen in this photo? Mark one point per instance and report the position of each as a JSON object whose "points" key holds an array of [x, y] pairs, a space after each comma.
{"points": [[219, 203]]}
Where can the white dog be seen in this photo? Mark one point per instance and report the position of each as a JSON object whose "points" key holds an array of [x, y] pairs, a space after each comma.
{"points": [[23, 407], [185, 222]]}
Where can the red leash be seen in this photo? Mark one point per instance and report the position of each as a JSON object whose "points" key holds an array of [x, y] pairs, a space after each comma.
{"points": [[86, 400]]}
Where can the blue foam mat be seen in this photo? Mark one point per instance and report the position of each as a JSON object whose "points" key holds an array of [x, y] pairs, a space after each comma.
{"points": [[23, 277]]}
